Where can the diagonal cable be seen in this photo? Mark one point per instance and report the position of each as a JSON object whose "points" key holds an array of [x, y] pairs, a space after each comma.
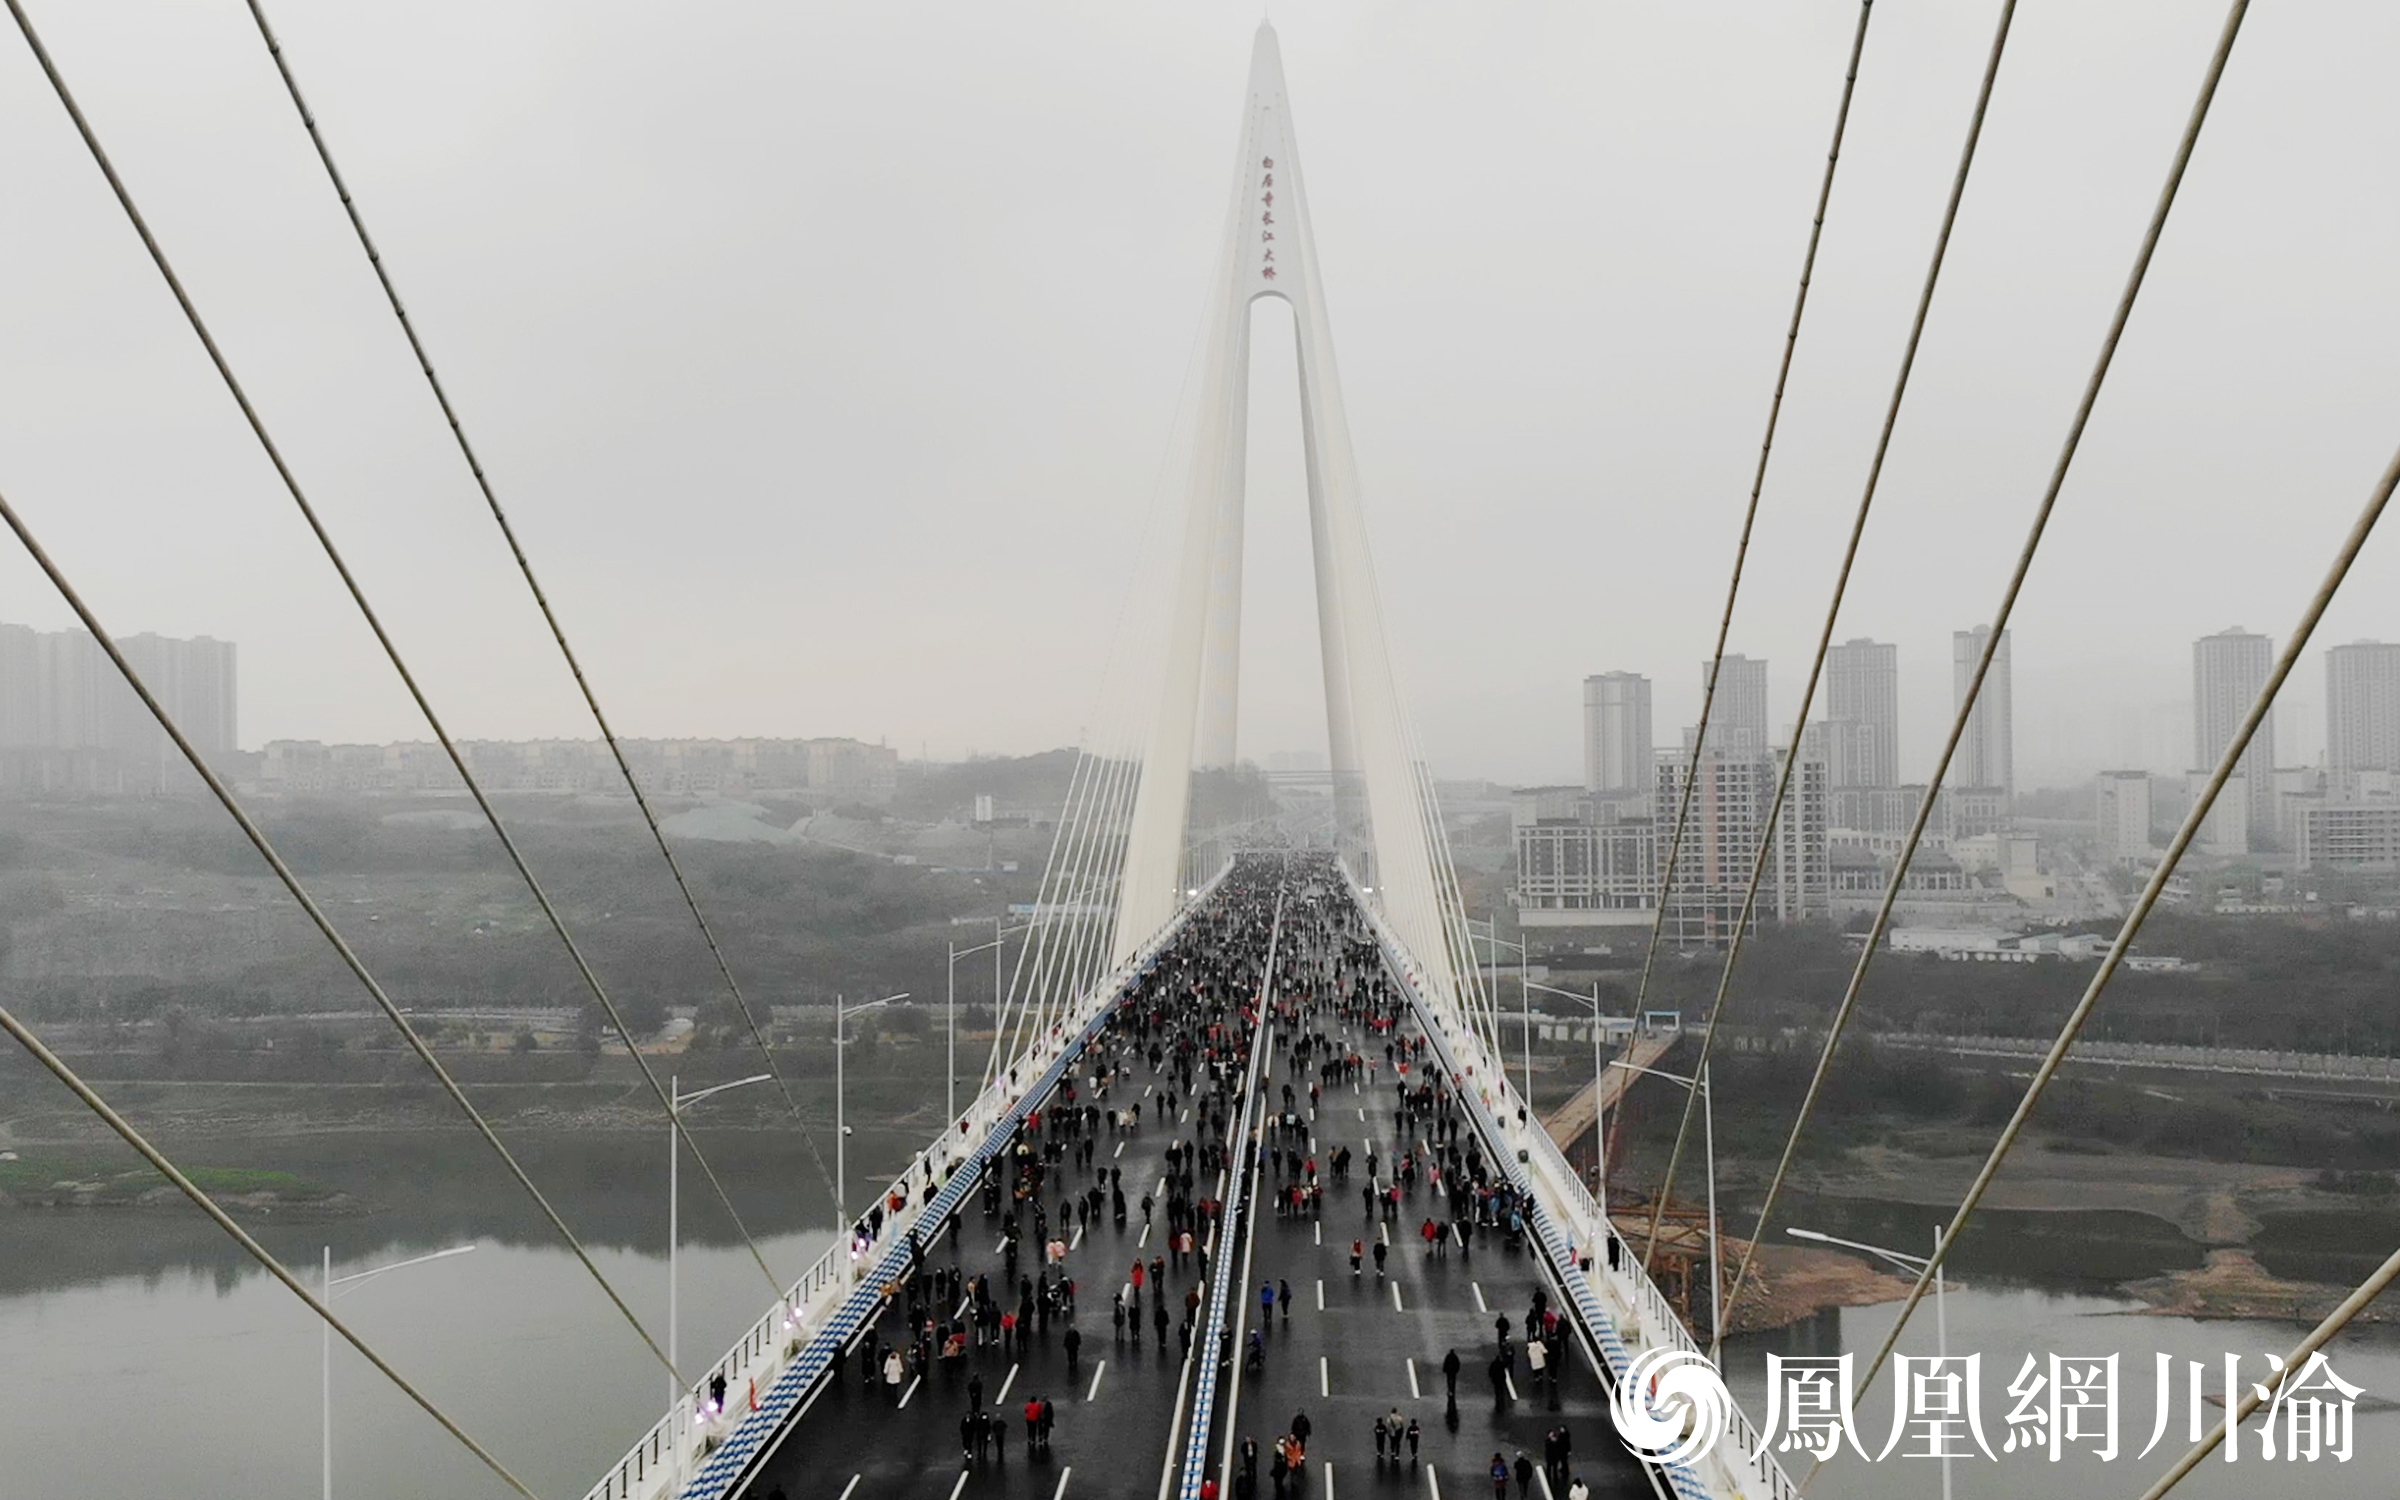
{"points": [[207, 1205], [391, 649], [2007, 608], [483, 483], [1758, 481], [1833, 610], [2360, 530], [316, 913], [2318, 1337]]}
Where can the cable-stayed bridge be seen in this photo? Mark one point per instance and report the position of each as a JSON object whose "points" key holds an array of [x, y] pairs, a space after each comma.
{"points": [[1244, 1180]]}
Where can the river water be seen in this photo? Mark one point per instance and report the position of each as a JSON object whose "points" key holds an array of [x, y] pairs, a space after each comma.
{"points": [[141, 1354]]}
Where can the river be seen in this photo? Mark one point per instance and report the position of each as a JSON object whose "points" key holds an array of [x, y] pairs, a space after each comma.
{"points": [[142, 1354]]}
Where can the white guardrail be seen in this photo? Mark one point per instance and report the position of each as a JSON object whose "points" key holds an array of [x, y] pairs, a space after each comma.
{"points": [[677, 1445], [1620, 1305]]}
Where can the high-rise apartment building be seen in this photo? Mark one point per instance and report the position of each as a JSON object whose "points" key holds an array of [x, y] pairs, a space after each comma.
{"points": [[2121, 817], [2228, 670], [1862, 715], [1618, 751], [1987, 756], [1732, 795], [68, 721], [1737, 717], [2362, 713]]}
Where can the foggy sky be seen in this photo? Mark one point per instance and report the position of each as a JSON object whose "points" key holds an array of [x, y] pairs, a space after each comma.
{"points": [[827, 354]]}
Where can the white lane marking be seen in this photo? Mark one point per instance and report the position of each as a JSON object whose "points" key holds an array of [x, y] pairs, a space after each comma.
{"points": [[1076, 1242], [1479, 1303], [1002, 1395], [1146, 1088], [1432, 1483], [1319, 1228], [1144, 1240], [1414, 1394], [1094, 1393], [912, 1390], [1120, 1148], [1383, 1232], [954, 1489], [1545, 1474], [1329, 1479], [1324, 1379], [1162, 1188], [963, 1304], [1000, 1244], [1362, 1114], [1511, 1382], [1312, 1139], [1187, 1117], [1061, 1492], [1396, 1307], [854, 1479]]}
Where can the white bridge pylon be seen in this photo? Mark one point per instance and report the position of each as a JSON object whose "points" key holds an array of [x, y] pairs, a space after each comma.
{"points": [[1384, 811]]}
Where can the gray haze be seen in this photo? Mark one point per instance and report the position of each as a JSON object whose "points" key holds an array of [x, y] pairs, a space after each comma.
{"points": [[828, 352]]}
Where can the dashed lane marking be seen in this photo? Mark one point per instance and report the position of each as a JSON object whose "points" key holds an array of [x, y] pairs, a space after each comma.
{"points": [[1477, 1288], [1319, 1229], [1320, 1294], [1077, 1242], [853, 1484], [1414, 1394], [1061, 1492], [1120, 1148], [1432, 1483], [1396, 1307], [1511, 1382], [1004, 1385], [1324, 1379], [1545, 1477], [1094, 1393], [1144, 1241], [954, 1489], [1329, 1479], [912, 1390], [1383, 1232]]}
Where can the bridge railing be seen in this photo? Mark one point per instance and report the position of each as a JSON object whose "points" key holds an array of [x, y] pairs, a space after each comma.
{"points": [[664, 1454], [1750, 1464]]}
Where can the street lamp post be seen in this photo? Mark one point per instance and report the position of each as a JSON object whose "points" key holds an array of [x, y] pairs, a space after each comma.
{"points": [[1917, 1263], [332, 1289], [677, 1102], [1491, 935], [1599, 1094], [999, 934], [841, 1128], [1708, 1128]]}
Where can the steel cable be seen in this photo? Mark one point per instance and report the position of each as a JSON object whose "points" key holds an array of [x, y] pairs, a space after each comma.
{"points": [[1866, 501], [316, 914], [558, 633], [1758, 481], [2360, 530], [341, 567], [2351, 1306], [207, 1205], [1733, 588]]}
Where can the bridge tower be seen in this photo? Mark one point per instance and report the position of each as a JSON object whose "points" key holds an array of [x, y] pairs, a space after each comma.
{"points": [[1383, 804]]}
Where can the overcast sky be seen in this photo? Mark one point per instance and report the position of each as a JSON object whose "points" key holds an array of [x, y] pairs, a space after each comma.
{"points": [[827, 354]]}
